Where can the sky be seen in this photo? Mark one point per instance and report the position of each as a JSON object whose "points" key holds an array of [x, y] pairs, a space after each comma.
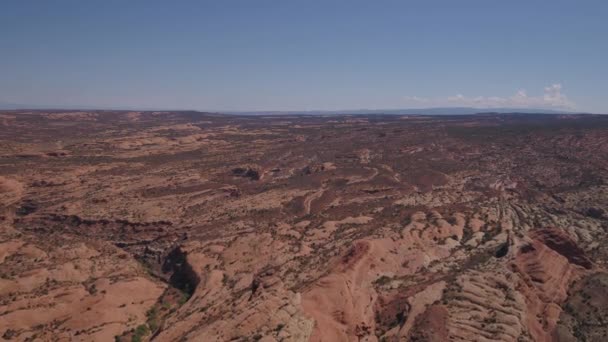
{"points": [[305, 55]]}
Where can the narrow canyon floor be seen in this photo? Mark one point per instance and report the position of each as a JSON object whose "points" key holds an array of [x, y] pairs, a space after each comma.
{"points": [[188, 226]]}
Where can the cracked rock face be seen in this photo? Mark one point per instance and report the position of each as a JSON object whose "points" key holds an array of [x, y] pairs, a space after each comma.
{"points": [[186, 226]]}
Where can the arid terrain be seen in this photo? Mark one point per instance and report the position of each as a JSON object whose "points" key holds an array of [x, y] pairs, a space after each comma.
{"points": [[187, 226]]}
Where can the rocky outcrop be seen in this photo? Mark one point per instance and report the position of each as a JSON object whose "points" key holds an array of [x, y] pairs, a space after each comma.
{"points": [[58, 288], [247, 172], [560, 242]]}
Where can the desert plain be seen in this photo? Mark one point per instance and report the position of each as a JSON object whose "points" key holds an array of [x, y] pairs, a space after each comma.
{"points": [[190, 226]]}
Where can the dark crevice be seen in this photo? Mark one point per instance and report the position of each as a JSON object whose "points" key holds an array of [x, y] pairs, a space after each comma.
{"points": [[182, 275], [502, 251]]}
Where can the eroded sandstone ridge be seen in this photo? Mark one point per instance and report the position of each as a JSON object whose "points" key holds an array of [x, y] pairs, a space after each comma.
{"points": [[186, 226]]}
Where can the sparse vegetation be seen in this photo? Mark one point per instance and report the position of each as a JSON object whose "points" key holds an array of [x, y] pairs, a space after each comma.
{"points": [[383, 280], [139, 333]]}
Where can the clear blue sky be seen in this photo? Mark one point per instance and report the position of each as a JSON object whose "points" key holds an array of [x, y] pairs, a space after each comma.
{"points": [[296, 55]]}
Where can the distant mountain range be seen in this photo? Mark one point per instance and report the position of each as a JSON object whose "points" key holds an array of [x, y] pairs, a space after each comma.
{"points": [[413, 111], [404, 111]]}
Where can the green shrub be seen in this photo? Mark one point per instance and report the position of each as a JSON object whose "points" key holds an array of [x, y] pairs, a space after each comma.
{"points": [[139, 332]]}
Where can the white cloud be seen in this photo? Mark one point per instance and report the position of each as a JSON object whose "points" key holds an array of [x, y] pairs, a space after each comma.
{"points": [[551, 98]]}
